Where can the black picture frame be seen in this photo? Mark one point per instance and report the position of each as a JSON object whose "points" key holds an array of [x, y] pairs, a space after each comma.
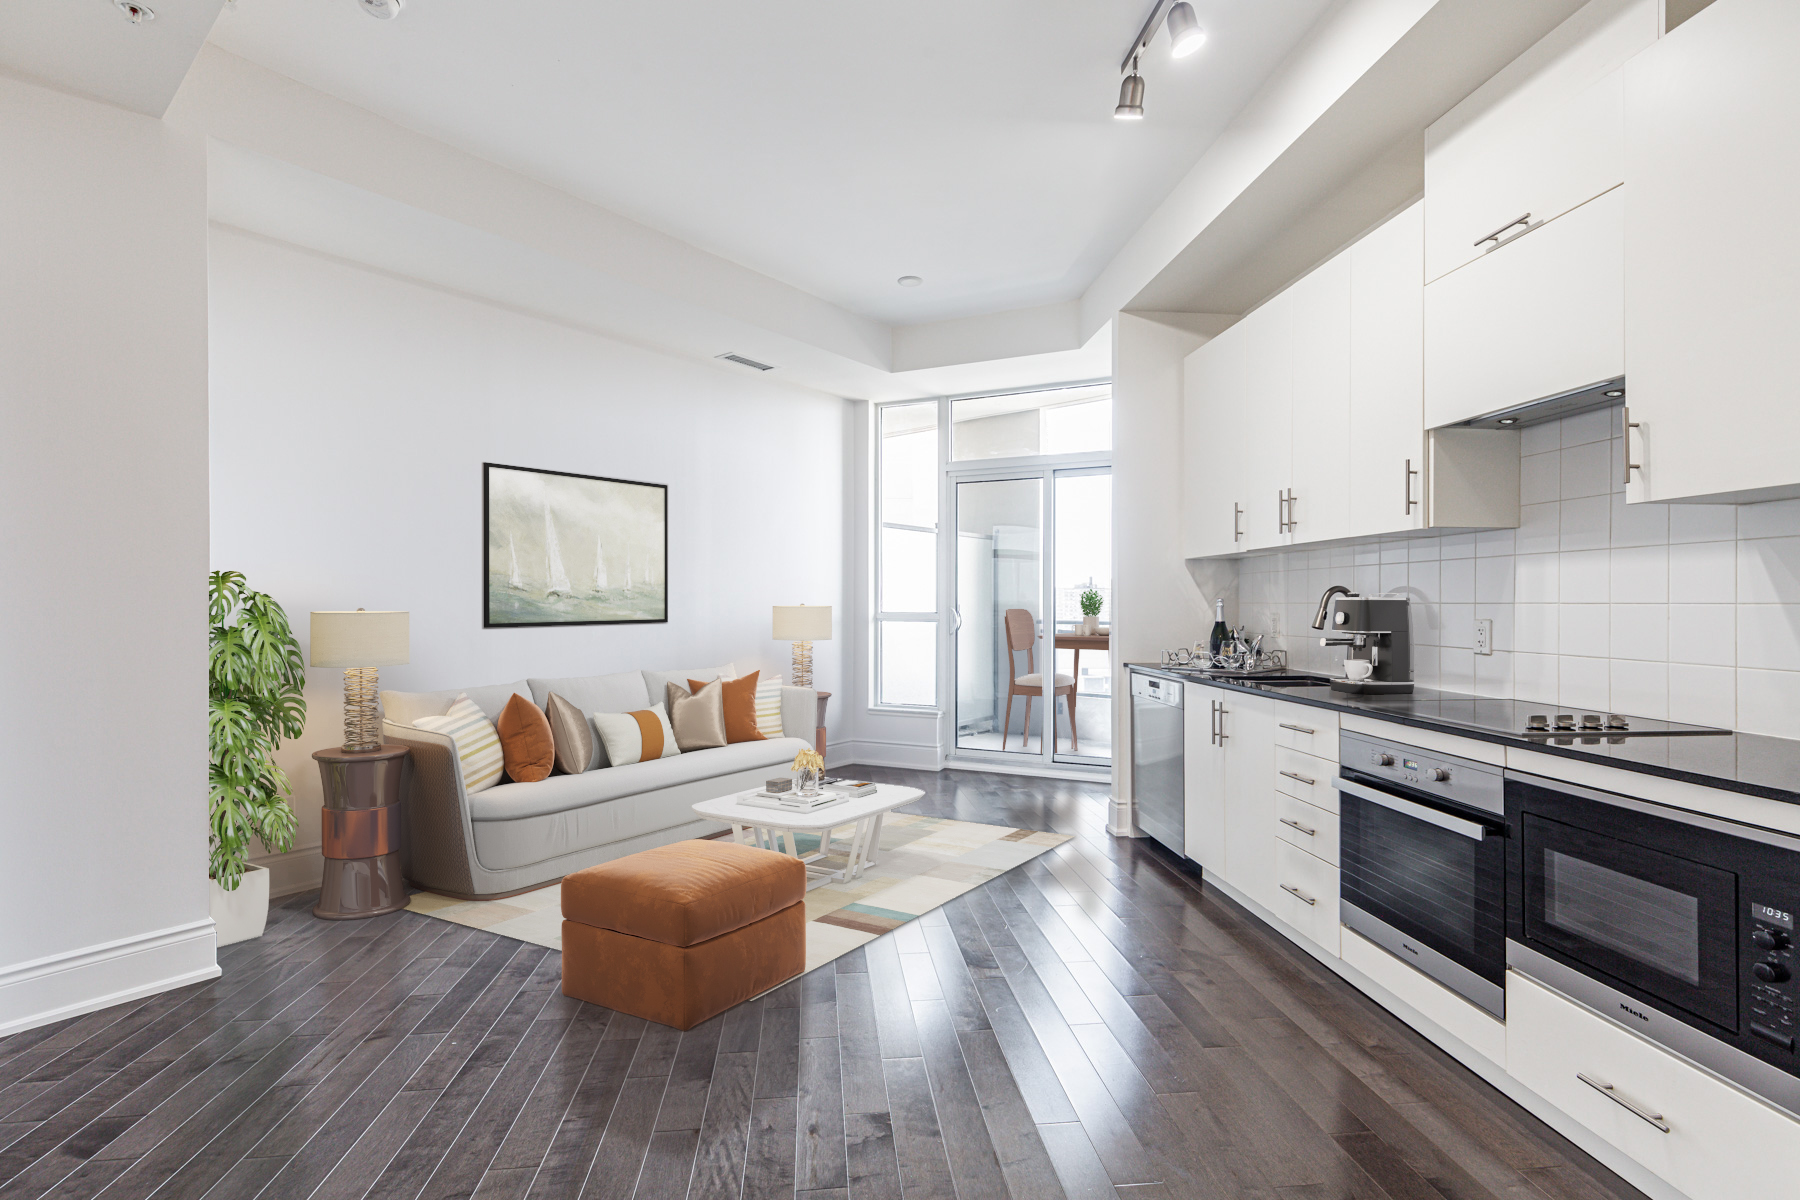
{"points": [[546, 594]]}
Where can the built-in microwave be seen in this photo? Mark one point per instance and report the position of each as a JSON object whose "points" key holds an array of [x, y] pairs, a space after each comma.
{"points": [[1678, 926]]}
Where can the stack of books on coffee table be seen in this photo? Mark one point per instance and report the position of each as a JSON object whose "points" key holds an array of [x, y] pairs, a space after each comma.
{"points": [[792, 801]]}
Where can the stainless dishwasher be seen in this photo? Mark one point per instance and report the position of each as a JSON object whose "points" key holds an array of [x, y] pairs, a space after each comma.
{"points": [[1158, 771]]}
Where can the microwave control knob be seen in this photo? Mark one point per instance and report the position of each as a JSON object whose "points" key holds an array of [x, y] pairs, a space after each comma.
{"points": [[1770, 939], [1770, 972], [1439, 775]]}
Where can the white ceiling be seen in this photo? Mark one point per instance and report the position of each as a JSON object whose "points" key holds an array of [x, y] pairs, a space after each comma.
{"points": [[89, 47], [832, 146]]}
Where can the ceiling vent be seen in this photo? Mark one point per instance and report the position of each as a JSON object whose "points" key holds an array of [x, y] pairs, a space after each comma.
{"points": [[741, 361]]}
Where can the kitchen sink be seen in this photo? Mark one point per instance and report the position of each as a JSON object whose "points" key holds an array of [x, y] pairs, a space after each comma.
{"points": [[1268, 678]]}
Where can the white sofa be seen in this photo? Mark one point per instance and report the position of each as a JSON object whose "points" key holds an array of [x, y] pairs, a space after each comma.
{"points": [[516, 836]]}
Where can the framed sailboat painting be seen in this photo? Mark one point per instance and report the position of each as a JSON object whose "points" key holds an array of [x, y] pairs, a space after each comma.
{"points": [[566, 549]]}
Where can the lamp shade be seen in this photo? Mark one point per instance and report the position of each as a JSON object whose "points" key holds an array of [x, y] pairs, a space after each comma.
{"points": [[802, 623], [359, 639]]}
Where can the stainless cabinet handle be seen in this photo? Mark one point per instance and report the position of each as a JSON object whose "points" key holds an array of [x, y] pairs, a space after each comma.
{"points": [[1407, 482], [1495, 236], [1300, 827], [1298, 728], [1223, 711], [1629, 426], [1237, 521], [1291, 522], [1300, 778], [1612, 1093], [1297, 894], [1281, 524]]}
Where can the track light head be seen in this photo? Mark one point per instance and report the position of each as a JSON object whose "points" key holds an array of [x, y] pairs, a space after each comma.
{"points": [[1185, 34], [1131, 97]]}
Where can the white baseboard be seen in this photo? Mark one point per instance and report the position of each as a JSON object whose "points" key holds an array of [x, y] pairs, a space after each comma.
{"points": [[65, 985], [873, 753], [1099, 776], [299, 870]]}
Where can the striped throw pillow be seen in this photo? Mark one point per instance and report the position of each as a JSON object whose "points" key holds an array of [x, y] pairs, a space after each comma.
{"points": [[477, 742], [768, 706], [636, 736]]}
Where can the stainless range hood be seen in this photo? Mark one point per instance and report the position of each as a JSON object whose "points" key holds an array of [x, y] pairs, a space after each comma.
{"points": [[1604, 394]]}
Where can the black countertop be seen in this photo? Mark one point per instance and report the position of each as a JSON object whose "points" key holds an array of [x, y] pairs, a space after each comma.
{"points": [[1750, 763]]}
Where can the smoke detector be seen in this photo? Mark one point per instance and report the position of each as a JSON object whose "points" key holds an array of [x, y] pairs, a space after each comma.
{"points": [[382, 10], [134, 12]]}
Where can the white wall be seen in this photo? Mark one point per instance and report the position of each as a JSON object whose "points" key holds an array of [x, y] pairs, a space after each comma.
{"points": [[1156, 604], [103, 891], [351, 413], [1687, 611]]}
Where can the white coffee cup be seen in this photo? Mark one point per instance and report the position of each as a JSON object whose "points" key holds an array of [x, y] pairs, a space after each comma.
{"points": [[1358, 668]]}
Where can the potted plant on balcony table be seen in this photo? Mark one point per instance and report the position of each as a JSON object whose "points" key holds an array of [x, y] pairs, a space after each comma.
{"points": [[256, 677], [1090, 611]]}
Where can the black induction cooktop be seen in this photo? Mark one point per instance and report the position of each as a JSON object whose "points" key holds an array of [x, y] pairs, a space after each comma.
{"points": [[1537, 721]]}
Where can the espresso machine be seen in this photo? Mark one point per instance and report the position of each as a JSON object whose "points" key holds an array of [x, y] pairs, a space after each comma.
{"points": [[1377, 631]]}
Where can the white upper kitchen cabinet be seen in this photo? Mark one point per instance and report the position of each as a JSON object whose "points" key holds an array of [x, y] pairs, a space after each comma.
{"points": [[1540, 138], [1386, 446], [1265, 421], [1212, 467], [1319, 333], [1712, 256], [1543, 315]]}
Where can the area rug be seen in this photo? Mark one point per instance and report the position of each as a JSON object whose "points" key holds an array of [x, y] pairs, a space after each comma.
{"points": [[924, 862]]}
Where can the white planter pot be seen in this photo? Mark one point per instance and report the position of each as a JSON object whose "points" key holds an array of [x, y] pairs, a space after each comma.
{"points": [[1090, 625], [241, 915]]}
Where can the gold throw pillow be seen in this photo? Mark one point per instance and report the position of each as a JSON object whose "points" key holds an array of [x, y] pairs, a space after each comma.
{"points": [[697, 717]]}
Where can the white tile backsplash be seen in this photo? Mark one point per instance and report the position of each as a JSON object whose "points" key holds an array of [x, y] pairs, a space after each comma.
{"points": [[1690, 611]]}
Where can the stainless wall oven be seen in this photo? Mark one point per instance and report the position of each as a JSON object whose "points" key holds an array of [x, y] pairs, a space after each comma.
{"points": [[1422, 850], [1677, 926]]}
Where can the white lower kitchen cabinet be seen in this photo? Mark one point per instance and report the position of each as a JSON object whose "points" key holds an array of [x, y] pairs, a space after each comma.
{"points": [[1542, 315], [1307, 826], [1703, 1136], [1204, 766], [1248, 725], [1309, 730], [1712, 256], [1306, 895]]}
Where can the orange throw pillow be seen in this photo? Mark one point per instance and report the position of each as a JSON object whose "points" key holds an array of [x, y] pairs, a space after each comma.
{"points": [[740, 708], [525, 741]]}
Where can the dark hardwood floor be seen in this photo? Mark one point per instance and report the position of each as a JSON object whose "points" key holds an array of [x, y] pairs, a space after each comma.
{"points": [[1093, 1024]]}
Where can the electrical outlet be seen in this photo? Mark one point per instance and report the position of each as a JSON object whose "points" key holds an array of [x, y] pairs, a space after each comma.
{"points": [[1484, 635], [1273, 620]]}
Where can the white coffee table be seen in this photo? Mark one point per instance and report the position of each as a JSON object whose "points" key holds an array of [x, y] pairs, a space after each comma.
{"points": [[767, 827]]}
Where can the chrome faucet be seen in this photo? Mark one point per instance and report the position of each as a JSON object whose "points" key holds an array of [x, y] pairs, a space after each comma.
{"points": [[1336, 589]]}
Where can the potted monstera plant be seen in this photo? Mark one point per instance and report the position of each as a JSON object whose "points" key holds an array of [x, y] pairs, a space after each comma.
{"points": [[257, 674]]}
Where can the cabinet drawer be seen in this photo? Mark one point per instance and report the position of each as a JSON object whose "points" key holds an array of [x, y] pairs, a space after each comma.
{"points": [[1295, 818], [1715, 1143], [1306, 894], [1306, 778], [1310, 730]]}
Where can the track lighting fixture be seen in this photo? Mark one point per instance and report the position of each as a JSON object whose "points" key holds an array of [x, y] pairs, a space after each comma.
{"points": [[137, 14], [1185, 34], [1131, 97], [1185, 37]]}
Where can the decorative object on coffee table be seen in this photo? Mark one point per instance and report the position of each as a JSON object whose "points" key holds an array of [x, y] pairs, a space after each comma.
{"points": [[567, 549], [809, 766], [360, 642], [360, 832], [802, 624], [256, 677]]}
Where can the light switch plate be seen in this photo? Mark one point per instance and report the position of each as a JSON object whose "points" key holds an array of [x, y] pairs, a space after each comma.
{"points": [[1484, 635]]}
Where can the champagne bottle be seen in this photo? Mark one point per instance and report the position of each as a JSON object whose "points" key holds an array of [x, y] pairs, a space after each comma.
{"points": [[1219, 633]]}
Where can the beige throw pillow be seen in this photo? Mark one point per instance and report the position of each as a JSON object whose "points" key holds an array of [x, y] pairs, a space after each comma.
{"points": [[698, 717], [574, 737], [636, 737]]}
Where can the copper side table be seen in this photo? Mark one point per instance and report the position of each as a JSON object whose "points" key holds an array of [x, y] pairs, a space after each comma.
{"points": [[361, 832]]}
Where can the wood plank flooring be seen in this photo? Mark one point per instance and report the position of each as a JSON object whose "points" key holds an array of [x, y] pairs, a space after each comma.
{"points": [[1093, 1024]]}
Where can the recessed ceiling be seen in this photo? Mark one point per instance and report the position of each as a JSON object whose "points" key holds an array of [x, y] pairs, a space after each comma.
{"points": [[832, 146]]}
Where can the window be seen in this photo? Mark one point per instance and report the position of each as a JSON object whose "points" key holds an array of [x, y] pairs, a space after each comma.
{"points": [[906, 555], [1073, 420]]}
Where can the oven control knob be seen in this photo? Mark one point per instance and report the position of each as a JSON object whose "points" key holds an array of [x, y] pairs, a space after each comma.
{"points": [[1439, 775], [1770, 972], [1384, 760], [1770, 939]]}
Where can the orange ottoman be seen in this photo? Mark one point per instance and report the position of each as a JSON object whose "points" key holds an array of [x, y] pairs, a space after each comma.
{"points": [[683, 932]]}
